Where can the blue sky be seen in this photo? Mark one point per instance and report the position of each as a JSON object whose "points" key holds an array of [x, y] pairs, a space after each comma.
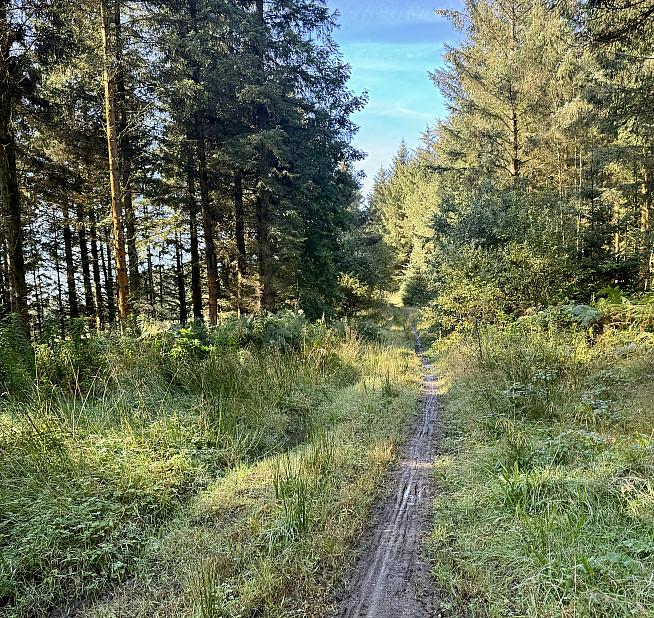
{"points": [[391, 45]]}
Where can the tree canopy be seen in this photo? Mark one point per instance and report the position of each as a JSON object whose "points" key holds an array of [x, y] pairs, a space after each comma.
{"points": [[172, 159], [537, 186]]}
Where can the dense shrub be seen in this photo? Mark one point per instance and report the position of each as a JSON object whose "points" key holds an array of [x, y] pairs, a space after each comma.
{"points": [[366, 329], [162, 352], [286, 330], [484, 285], [74, 363], [16, 359], [417, 287]]}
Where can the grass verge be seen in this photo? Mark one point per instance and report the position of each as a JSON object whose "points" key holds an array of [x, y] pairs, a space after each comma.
{"points": [[547, 489], [226, 483]]}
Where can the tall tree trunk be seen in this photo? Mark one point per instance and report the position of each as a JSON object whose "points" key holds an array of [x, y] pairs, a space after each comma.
{"points": [[181, 288], [150, 276], [89, 307], [38, 307], [109, 82], [645, 228], [108, 280], [161, 285], [37, 287], [207, 225], [9, 192], [264, 249], [130, 229], [60, 300], [97, 282], [239, 224], [196, 282], [205, 204], [132, 251], [73, 308], [149, 285], [126, 157], [226, 272], [5, 291], [5, 267]]}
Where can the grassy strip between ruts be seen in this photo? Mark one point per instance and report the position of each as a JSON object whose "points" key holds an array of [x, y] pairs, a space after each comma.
{"points": [[546, 505], [272, 538]]}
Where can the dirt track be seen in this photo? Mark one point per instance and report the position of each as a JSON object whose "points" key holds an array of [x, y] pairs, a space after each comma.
{"points": [[390, 580]]}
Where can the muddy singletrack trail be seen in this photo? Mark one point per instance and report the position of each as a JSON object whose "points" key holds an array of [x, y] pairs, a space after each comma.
{"points": [[390, 579]]}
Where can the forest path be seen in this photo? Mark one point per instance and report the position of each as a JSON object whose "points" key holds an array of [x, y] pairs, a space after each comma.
{"points": [[390, 579]]}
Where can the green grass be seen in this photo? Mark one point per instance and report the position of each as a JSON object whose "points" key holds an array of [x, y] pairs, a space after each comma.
{"points": [[197, 475], [547, 489]]}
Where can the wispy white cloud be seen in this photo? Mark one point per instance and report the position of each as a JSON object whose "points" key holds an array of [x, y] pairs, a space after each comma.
{"points": [[389, 12], [402, 57], [394, 110]]}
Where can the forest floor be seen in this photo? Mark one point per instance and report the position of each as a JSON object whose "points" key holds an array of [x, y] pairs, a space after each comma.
{"points": [[228, 483], [391, 579], [274, 538]]}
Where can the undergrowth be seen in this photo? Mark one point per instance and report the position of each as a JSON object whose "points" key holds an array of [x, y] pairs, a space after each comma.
{"points": [[193, 471], [547, 489]]}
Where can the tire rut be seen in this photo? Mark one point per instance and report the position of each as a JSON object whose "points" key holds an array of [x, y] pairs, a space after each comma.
{"points": [[390, 579]]}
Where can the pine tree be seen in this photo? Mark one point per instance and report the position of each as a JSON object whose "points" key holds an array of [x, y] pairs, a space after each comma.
{"points": [[13, 77]]}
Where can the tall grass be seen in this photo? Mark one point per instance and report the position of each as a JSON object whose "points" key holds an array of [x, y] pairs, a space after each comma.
{"points": [[547, 504], [119, 445]]}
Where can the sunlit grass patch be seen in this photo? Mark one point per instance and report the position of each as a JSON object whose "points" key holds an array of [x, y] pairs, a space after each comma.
{"points": [[170, 442], [546, 504], [273, 537]]}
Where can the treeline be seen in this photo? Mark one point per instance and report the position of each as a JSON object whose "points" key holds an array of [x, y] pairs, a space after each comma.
{"points": [[538, 187], [172, 158]]}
